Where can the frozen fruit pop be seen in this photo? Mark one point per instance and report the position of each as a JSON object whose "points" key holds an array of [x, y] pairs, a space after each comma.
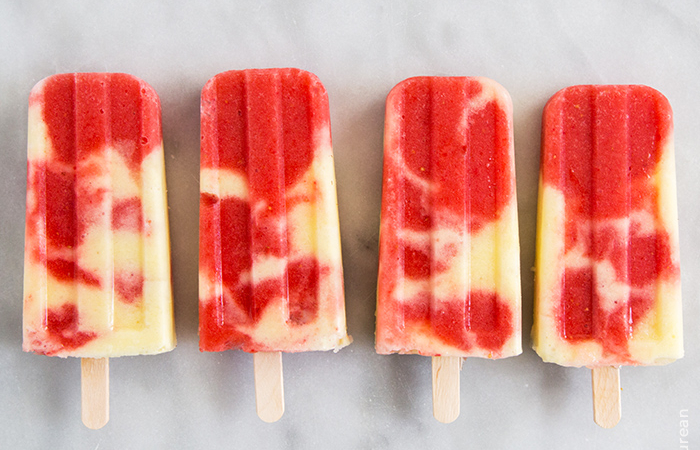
{"points": [[270, 272], [449, 277], [97, 264], [607, 270]]}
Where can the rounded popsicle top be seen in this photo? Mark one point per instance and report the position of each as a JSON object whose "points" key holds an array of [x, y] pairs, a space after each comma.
{"points": [[125, 104], [232, 103], [589, 112], [454, 115], [642, 98], [486, 88], [65, 79], [308, 79], [608, 89]]}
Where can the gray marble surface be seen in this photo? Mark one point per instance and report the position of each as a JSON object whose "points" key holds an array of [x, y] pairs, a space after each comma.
{"points": [[359, 49]]}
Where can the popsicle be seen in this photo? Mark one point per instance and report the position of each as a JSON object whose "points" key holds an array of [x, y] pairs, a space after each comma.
{"points": [[449, 276], [607, 271], [97, 264], [270, 271]]}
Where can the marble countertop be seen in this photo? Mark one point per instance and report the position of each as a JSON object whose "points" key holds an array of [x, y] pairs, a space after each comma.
{"points": [[359, 49]]}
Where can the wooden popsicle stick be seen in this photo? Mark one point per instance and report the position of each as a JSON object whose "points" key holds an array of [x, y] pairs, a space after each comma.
{"points": [[269, 385], [446, 387], [94, 391], [607, 408]]}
